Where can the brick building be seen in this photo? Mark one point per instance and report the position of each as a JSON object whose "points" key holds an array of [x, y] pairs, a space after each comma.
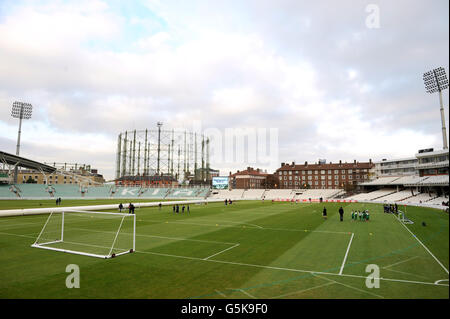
{"points": [[248, 179], [322, 175]]}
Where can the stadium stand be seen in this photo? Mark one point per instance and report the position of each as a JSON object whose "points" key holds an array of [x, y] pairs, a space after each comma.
{"points": [[33, 191], [418, 198], [381, 181], [396, 197], [253, 193], [97, 192], [6, 191], [227, 194], [378, 194], [66, 191], [279, 194], [316, 193]]}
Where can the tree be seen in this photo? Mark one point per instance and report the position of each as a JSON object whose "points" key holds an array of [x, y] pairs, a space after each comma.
{"points": [[30, 180]]}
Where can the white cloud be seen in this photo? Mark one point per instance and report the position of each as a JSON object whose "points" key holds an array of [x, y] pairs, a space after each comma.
{"points": [[328, 85]]}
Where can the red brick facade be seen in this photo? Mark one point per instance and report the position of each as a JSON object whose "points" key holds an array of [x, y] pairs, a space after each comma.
{"points": [[248, 179], [321, 176]]}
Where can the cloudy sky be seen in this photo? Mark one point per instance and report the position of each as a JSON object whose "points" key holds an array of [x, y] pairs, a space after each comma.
{"points": [[339, 80]]}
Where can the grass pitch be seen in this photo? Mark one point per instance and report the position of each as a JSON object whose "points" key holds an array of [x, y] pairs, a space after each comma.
{"points": [[247, 250]]}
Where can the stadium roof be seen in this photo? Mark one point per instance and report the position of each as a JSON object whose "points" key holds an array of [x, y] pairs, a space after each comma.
{"points": [[11, 159]]}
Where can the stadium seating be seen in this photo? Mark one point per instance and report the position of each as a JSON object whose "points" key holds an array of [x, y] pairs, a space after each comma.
{"points": [[418, 199], [378, 194], [6, 192], [233, 194], [97, 192], [396, 197], [33, 191], [253, 193], [279, 194], [381, 181], [66, 191]]}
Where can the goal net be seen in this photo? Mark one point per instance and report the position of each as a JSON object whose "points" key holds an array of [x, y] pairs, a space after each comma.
{"points": [[402, 217], [95, 234]]}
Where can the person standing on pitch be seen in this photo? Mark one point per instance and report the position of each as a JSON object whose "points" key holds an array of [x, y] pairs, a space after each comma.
{"points": [[120, 207], [324, 213], [341, 214]]}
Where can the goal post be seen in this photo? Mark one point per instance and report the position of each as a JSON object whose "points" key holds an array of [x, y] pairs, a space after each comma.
{"points": [[95, 234], [401, 216]]}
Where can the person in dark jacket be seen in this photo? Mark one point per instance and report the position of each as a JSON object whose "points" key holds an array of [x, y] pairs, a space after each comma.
{"points": [[341, 214], [324, 213]]}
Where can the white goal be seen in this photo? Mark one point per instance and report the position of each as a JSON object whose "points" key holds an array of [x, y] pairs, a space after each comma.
{"points": [[95, 234], [402, 217]]}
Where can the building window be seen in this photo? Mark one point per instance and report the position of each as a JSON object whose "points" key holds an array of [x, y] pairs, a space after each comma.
{"points": [[322, 171]]}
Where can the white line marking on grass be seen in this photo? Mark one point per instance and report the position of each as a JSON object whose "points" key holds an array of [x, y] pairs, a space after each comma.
{"points": [[351, 287], [220, 293], [2, 233], [222, 251], [290, 269], [438, 281], [151, 236], [5, 226], [346, 254], [301, 291], [400, 262], [253, 227], [446, 270], [270, 267], [244, 292], [404, 272], [248, 294]]}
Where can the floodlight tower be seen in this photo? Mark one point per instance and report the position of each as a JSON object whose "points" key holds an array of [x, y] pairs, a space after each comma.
{"points": [[436, 81], [22, 111], [159, 124]]}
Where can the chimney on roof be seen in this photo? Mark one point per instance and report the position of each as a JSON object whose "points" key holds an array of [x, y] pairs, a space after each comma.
{"points": [[370, 161], [306, 163], [249, 168], [282, 164], [258, 170], [354, 161], [293, 163]]}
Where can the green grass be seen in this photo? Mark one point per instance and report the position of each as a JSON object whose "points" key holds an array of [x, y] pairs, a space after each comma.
{"points": [[248, 249], [44, 203]]}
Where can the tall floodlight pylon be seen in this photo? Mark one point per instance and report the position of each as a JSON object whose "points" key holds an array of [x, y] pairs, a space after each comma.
{"points": [[436, 81], [22, 111]]}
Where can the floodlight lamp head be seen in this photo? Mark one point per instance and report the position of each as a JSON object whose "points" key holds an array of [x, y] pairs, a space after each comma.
{"points": [[21, 110], [159, 124], [435, 80]]}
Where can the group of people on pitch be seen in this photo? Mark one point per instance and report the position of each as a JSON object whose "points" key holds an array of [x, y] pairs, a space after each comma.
{"points": [[361, 215]]}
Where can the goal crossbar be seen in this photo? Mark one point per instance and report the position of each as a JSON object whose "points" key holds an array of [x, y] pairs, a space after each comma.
{"points": [[122, 216]]}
